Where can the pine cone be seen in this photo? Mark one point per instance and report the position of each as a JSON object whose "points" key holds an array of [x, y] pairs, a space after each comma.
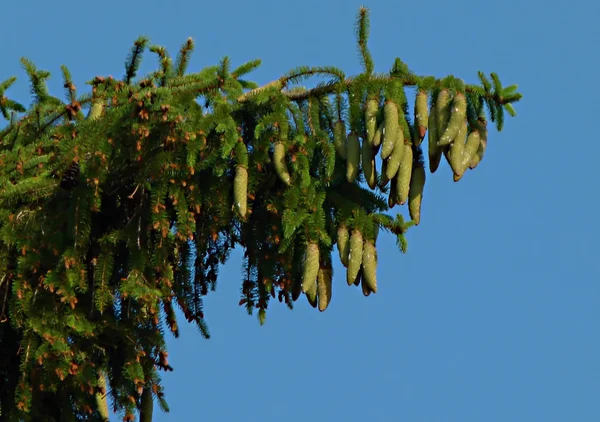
{"points": [[69, 179]]}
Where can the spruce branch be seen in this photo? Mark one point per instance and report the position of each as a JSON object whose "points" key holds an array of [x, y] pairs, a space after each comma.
{"points": [[362, 34], [7, 105], [245, 68], [183, 57], [134, 59], [7, 84], [166, 64], [70, 91], [123, 246], [301, 94]]}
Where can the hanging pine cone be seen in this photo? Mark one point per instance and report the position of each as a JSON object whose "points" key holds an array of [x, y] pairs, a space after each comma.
{"points": [[69, 179]]}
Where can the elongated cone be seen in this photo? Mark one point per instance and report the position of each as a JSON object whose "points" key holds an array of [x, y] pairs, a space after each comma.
{"points": [[324, 287], [378, 135], [101, 399], [471, 148], [481, 150], [391, 128], [456, 151], [443, 112], [421, 116], [404, 175], [458, 113], [279, 163], [368, 164], [415, 194], [296, 288], [371, 176], [355, 256], [434, 152], [365, 289], [311, 295], [395, 159], [369, 266], [343, 244], [359, 278], [383, 180], [375, 149], [96, 109], [393, 195], [311, 267], [240, 190], [339, 138], [352, 157], [298, 271], [371, 108]]}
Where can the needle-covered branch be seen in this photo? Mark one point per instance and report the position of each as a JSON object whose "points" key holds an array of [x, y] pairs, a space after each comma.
{"points": [[110, 222]]}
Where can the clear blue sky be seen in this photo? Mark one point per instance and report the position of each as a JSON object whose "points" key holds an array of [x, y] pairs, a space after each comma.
{"points": [[493, 314]]}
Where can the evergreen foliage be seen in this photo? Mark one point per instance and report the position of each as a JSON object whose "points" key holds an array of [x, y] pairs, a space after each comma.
{"points": [[108, 222]]}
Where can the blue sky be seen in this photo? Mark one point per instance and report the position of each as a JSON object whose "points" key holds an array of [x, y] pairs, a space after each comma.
{"points": [[493, 313]]}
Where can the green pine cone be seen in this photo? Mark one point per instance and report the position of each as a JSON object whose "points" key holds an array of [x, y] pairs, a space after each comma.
{"points": [[359, 277], [324, 287], [352, 157], [383, 181], [355, 256], [343, 244], [311, 267], [415, 194], [443, 112], [481, 150], [240, 190], [391, 128], [404, 175], [458, 113], [434, 152], [296, 288], [369, 266], [421, 116], [311, 295], [371, 175], [368, 164], [471, 148], [280, 164], [339, 138], [393, 195], [365, 288], [101, 399], [378, 135], [396, 156], [96, 109], [371, 108], [457, 149]]}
